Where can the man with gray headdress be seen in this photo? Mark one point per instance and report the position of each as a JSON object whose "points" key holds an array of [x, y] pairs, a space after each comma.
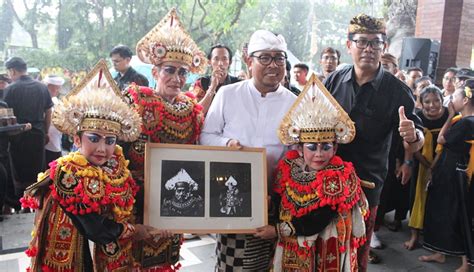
{"points": [[248, 113], [378, 103], [184, 201]]}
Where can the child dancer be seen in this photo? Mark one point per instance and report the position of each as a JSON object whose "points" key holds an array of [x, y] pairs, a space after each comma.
{"points": [[318, 202], [88, 194], [433, 115]]}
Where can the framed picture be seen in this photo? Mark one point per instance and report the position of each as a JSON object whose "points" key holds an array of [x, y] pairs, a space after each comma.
{"points": [[205, 189]]}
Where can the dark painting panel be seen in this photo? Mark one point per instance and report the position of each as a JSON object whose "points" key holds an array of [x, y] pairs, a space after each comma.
{"points": [[230, 189], [182, 188]]}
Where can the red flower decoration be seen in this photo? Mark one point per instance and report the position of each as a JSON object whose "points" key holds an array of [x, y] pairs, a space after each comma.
{"points": [[292, 154]]}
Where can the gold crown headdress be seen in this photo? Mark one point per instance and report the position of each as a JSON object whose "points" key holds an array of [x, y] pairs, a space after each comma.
{"points": [[169, 41], [364, 23], [316, 117], [97, 104]]}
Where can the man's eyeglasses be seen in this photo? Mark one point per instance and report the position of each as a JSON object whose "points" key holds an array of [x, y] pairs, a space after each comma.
{"points": [[314, 146], [279, 60], [95, 138], [171, 70], [363, 43]]}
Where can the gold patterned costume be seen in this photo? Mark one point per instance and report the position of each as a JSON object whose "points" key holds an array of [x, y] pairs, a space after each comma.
{"points": [[77, 201], [319, 214], [79, 188], [163, 122], [178, 122]]}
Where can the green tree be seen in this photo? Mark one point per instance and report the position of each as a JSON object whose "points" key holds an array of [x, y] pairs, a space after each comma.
{"points": [[6, 21], [86, 30], [34, 16]]}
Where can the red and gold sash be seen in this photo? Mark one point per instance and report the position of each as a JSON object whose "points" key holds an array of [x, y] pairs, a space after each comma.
{"points": [[336, 186], [163, 122]]}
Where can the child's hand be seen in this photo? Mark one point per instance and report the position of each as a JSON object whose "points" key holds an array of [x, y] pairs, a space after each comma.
{"points": [[266, 232], [161, 233], [404, 173], [451, 109], [142, 232]]}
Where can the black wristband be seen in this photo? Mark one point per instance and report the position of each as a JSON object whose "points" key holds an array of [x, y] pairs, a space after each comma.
{"points": [[417, 137]]}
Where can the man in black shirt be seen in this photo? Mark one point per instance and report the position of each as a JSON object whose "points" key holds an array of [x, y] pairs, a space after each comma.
{"points": [[31, 103], [378, 103], [121, 56], [220, 58]]}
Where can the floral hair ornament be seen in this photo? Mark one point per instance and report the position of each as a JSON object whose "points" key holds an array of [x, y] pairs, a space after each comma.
{"points": [[468, 92], [96, 104], [169, 41], [316, 117]]}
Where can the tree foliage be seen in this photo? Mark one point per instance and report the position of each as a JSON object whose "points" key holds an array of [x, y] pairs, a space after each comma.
{"points": [[86, 30], [6, 23], [34, 16]]}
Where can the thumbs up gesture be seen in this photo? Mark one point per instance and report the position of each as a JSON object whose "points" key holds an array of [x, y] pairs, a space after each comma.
{"points": [[406, 127]]}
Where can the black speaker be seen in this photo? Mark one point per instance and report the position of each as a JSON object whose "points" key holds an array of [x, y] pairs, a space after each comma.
{"points": [[422, 53]]}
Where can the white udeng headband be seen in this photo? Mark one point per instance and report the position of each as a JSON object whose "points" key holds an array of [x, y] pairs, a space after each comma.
{"points": [[266, 40]]}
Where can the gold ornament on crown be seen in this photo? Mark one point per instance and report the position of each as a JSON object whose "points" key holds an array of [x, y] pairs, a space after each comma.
{"points": [[96, 104], [363, 23], [169, 41], [316, 117]]}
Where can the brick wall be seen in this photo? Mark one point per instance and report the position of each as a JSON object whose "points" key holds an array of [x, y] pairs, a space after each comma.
{"points": [[451, 23], [466, 37]]}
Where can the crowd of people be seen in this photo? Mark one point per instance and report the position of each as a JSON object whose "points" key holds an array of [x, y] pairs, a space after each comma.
{"points": [[343, 147]]}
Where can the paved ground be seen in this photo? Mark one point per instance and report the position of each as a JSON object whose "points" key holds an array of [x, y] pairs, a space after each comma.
{"points": [[197, 255]]}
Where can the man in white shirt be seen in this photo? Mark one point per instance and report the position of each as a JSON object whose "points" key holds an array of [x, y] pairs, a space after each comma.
{"points": [[53, 145], [248, 113]]}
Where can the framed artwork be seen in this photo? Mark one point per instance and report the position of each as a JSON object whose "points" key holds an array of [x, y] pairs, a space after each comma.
{"points": [[205, 189]]}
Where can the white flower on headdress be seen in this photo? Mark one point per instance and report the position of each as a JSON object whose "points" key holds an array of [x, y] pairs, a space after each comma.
{"points": [[127, 126], [159, 50], [294, 132], [341, 130], [196, 60]]}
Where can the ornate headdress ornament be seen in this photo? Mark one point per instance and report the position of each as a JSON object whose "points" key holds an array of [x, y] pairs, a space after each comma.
{"points": [[316, 117], [364, 23], [96, 104], [468, 92], [182, 176], [169, 41]]}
